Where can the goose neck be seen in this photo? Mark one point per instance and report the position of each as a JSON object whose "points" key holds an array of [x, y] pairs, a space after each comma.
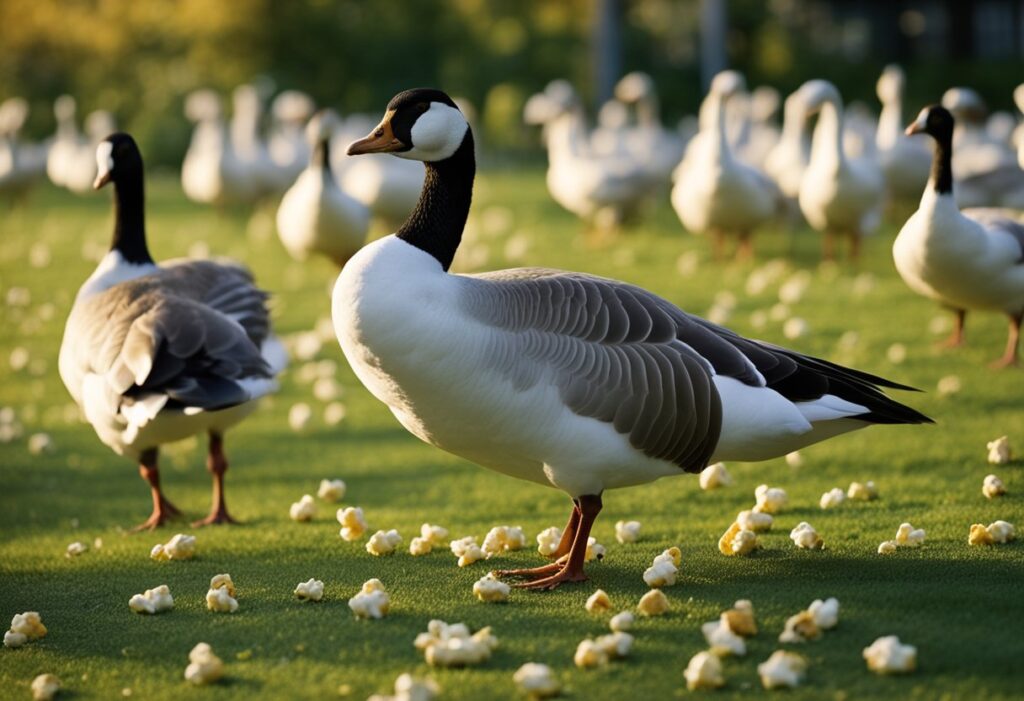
{"points": [[321, 158], [890, 123], [941, 178], [130, 219], [827, 142], [721, 137]]}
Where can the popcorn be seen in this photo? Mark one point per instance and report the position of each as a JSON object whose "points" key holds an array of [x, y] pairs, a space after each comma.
{"points": [[353, 524], [383, 542], [598, 601], [622, 622], [503, 538], [39, 443], [180, 547], [435, 535], [409, 688], [331, 490], [152, 601], [794, 328], [490, 588], [722, 640], [595, 551], [740, 618], [864, 492], [832, 498], [714, 476], [537, 681], [909, 537], [896, 353], [805, 536], [800, 628], [312, 590], [949, 385], [979, 535], [204, 666], [737, 541], [704, 671], [420, 546], [662, 572], [754, 521], [299, 416], [999, 451], [992, 487], [826, 613], [334, 413], [995, 532], [12, 639], [616, 645], [627, 531], [782, 669], [303, 510], [795, 459], [326, 389], [653, 603], [372, 601], [75, 549], [452, 646], [28, 625], [589, 655], [221, 596], [467, 550], [770, 500], [548, 541], [888, 655], [887, 547], [45, 687]]}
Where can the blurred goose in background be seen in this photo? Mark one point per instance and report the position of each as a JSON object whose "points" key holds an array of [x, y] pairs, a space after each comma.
{"points": [[648, 141], [315, 216], [904, 161], [839, 196], [210, 173], [762, 134], [247, 141], [965, 260], [715, 193], [71, 162], [562, 378], [860, 127], [288, 147], [156, 353], [787, 161], [21, 164]]}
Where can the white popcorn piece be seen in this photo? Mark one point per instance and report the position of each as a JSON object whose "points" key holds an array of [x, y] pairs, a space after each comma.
{"points": [[326, 389], [826, 613], [12, 639], [722, 640], [452, 645], [782, 669], [806, 537], [770, 500], [331, 490], [653, 603], [795, 459], [221, 596], [755, 521], [353, 523], [993, 487], [896, 353], [626, 531], [887, 655], [548, 540], [909, 537], [467, 550], [435, 535], [887, 547], [800, 628], [1001, 531], [537, 681], [714, 476], [595, 551], [383, 542], [616, 645], [299, 416], [622, 622], [29, 624], [999, 451], [589, 655], [75, 549], [152, 601], [832, 498], [334, 413], [410, 688], [372, 601], [949, 385], [420, 546], [45, 687], [662, 572], [204, 667], [740, 618], [39, 443], [180, 547], [489, 588], [598, 601], [503, 539], [704, 671], [863, 492], [303, 510], [794, 328], [737, 541], [312, 590]]}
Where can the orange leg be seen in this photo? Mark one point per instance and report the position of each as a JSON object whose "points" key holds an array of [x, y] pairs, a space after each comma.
{"points": [[1009, 358], [163, 510], [217, 464], [956, 338], [560, 554], [572, 570]]}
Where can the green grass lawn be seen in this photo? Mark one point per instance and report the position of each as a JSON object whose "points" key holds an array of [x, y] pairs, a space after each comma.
{"points": [[962, 607]]}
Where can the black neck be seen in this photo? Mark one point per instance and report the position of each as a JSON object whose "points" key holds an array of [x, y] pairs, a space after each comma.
{"points": [[942, 164], [130, 219], [436, 225], [322, 154]]}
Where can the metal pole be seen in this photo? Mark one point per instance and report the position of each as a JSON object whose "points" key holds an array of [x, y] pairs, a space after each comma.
{"points": [[712, 40], [607, 49]]}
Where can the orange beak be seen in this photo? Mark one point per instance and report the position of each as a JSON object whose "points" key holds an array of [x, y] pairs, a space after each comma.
{"points": [[380, 140]]}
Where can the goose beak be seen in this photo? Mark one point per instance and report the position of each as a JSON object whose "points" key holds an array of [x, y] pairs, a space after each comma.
{"points": [[916, 127], [380, 140], [101, 180]]}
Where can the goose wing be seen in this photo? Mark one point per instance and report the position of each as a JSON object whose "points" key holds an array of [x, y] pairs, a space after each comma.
{"points": [[1005, 224]]}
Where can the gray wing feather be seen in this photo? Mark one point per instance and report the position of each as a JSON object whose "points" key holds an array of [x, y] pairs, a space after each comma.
{"points": [[1005, 220]]}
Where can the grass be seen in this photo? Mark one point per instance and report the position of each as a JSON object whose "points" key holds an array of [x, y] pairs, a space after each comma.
{"points": [[962, 607]]}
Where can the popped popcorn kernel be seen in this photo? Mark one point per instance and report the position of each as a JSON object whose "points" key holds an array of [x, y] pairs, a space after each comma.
{"points": [[28, 624], [770, 500], [999, 451], [490, 588], [447, 645], [13, 640], [616, 645], [653, 603], [949, 385], [622, 622], [75, 549], [331, 490], [863, 492], [992, 487], [45, 687], [152, 601], [548, 540], [383, 542], [782, 669], [204, 667], [420, 546], [589, 655], [806, 537], [887, 547], [737, 541], [704, 671], [979, 535], [795, 459], [826, 613], [467, 550], [312, 590], [299, 416], [674, 553], [372, 601], [740, 618], [410, 688], [714, 476], [627, 531], [303, 510], [220, 601], [1001, 531], [598, 601], [503, 539], [722, 640], [887, 655], [909, 537], [755, 521], [180, 547], [353, 523], [662, 572], [223, 581], [537, 681], [832, 498], [800, 628], [595, 551], [435, 535]]}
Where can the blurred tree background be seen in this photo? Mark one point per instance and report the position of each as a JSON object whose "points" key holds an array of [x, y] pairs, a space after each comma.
{"points": [[139, 58]]}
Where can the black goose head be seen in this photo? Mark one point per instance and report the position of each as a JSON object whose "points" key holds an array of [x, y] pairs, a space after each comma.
{"points": [[934, 120], [117, 160], [422, 124]]}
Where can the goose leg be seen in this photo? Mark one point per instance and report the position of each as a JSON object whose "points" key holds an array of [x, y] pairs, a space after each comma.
{"points": [[163, 510], [745, 248], [956, 338], [718, 245], [828, 247], [1009, 358], [560, 554], [217, 464], [572, 570], [855, 244]]}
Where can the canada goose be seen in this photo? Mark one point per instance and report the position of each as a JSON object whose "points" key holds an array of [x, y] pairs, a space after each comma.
{"points": [[561, 378], [970, 259], [156, 353], [904, 161]]}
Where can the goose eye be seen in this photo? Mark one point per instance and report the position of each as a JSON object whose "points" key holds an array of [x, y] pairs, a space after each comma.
{"points": [[422, 106], [379, 133]]}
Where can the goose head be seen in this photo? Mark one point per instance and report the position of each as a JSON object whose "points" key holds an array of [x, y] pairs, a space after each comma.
{"points": [[934, 120], [99, 125], [728, 83], [764, 103], [889, 87], [293, 107], [64, 108], [203, 106], [634, 87], [965, 104], [13, 113], [421, 125], [117, 160], [815, 93]]}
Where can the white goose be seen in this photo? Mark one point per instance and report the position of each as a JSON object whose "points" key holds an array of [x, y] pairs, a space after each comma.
{"points": [[210, 173], [562, 378], [972, 259], [287, 144], [838, 195], [649, 142], [156, 353], [787, 161], [21, 164], [904, 161], [71, 162], [315, 216]]}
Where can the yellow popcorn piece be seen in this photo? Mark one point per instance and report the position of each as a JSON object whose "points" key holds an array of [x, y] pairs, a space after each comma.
{"points": [[420, 546], [999, 451], [595, 551], [662, 572], [223, 581], [409, 688], [383, 542], [372, 601], [303, 510], [740, 618], [675, 554], [737, 541], [598, 601], [979, 535], [152, 601], [862, 492], [353, 523], [992, 487], [832, 498], [490, 588], [782, 669], [1001, 531], [622, 622], [755, 521], [795, 459], [589, 655], [887, 547], [204, 667], [909, 537], [537, 681], [180, 547], [548, 540], [704, 671], [653, 603], [714, 476], [625, 531], [312, 590], [452, 645], [467, 550], [770, 500], [75, 549], [722, 640], [45, 687], [887, 655], [435, 535], [800, 628], [28, 624], [503, 539], [331, 490], [804, 536]]}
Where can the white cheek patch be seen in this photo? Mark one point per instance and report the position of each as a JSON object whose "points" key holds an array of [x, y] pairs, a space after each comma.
{"points": [[437, 134], [104, 157]]}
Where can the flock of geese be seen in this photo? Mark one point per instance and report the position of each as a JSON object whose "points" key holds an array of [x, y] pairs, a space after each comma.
{"points": [[556, 377]]}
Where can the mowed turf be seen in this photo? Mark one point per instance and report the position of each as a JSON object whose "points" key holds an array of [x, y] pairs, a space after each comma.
{"points": [[962, 607]]}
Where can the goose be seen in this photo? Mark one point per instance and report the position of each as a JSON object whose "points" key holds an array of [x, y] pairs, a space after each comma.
{"points": [[716, 193], [787, 161], [561, 378], [650, 143], [838, 195], [155, 353], [315, 215], [970, 259], [210, 173], [287, 145], [905, 161], [762, 135], [21, 164], [70, 162]]}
